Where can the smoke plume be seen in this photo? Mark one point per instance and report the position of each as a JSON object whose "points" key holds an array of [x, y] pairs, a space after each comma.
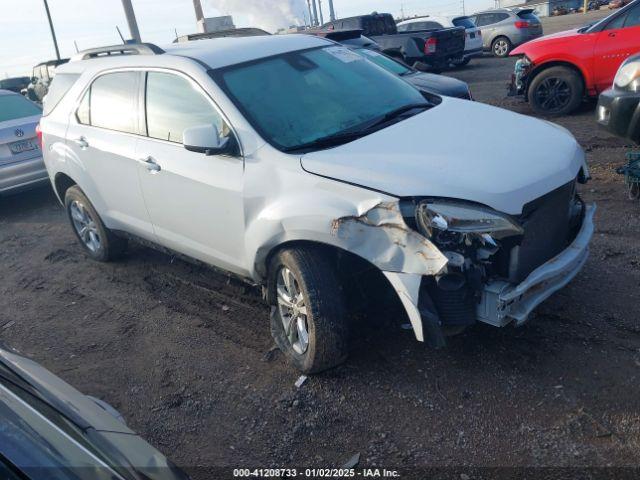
{"points": [[267, 14]]}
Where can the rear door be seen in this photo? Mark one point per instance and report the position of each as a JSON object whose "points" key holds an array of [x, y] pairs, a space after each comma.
{"points": [[194, 200], [102, 137], [615, 43]]}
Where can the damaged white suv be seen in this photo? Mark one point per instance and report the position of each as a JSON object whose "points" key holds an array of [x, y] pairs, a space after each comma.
{"points": [[276, 158]]}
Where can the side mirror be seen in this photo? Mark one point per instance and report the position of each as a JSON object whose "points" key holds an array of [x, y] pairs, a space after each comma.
{"points": [[206, 139]]}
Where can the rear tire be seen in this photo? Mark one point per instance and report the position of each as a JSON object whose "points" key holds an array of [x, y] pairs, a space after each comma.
{"points": [[556, 91], [308, 313], [501, 47], [97, 240]]}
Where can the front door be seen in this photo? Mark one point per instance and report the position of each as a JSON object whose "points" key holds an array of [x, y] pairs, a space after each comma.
{"points": [[194, 200], [102, 137], [618, 41]]}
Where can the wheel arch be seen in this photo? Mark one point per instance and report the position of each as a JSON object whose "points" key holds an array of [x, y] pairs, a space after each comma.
{"points": [[538, 69], [62, 182]]}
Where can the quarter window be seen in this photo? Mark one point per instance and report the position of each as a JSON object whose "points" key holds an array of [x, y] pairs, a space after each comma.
{"points": [[174, 104]]}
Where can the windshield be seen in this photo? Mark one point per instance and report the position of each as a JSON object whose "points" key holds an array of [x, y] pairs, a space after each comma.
{"points": [[16, 106], [300, 97], [383, 61]]}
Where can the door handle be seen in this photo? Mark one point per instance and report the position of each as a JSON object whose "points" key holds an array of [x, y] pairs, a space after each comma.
{"points": [[151, 165], [612, 34], [82, 143]]}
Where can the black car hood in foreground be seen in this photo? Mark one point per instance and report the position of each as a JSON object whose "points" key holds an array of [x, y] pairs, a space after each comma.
{"points": [[439, 84], [103, 430]]}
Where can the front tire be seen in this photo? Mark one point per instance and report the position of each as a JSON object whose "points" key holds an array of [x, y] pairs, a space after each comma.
{"points": [[501, 47], [97, 240], [308, 313], [556, 91]]}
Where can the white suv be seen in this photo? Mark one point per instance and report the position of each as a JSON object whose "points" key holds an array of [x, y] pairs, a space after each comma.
{"points": [[293, 163]]}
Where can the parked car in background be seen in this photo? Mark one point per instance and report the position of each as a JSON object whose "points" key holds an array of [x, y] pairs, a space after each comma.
{"points": [[21, 164], [366, 174], [43, 74], [617, 4], [434, 49], [506, 28], [473, 42], [49, 430], [556, 72], [16, 84], [619, 107], [428, 82]]}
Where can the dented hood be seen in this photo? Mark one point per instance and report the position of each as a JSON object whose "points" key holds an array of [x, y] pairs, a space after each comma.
{"points": [[459, 149]]}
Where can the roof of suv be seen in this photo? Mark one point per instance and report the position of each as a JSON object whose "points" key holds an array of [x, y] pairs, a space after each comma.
{"points": [[214, 53]]}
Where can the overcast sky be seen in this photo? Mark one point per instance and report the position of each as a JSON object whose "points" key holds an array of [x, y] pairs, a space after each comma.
{"points": [[25, 39]]}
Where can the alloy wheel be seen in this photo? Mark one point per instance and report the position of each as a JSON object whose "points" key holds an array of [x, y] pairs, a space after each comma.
{"points": [[501, 48], [85, 226], [553, 94], [293, 310]]}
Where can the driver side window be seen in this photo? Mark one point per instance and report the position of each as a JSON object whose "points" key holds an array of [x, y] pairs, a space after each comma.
{"points": [[174, 104], [629, 19]]}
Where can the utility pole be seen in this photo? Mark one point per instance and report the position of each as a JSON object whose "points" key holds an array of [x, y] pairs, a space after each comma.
{"points": [[311, 24], [131, 20], [585, 7], [53, 32], [315, 13], [198, 8], [320, 10], [332, 12], [464, 10]]}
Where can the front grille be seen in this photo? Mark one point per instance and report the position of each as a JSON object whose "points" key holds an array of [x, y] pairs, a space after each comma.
{"points": [[547, 226]]}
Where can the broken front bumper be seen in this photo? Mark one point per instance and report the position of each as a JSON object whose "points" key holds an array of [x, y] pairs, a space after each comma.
{"points": [[503, 303]]}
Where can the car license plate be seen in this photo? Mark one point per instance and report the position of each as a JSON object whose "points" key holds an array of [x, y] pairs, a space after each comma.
{"points": [[472, 35], [22, 146]]}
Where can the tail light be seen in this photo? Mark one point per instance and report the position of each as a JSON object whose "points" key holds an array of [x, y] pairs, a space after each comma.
{"points": [[39, 135], [522, 24], [430, 46], [479, 32]]}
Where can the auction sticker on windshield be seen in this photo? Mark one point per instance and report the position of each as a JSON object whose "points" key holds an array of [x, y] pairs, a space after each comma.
{"points": [[344, 54]]}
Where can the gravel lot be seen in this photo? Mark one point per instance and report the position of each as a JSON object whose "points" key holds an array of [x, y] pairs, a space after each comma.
{"points": [[186, 355]]}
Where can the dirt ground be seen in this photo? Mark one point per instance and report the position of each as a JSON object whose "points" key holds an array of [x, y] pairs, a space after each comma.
{"points": [[186, 355]]}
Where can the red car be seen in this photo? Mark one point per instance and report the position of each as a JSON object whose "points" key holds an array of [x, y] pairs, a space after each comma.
{"points": [[556, 72]]}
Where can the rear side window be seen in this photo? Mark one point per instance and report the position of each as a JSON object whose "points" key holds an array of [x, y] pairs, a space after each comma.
{"points": [[174, 104], [465, 22], [58, 89], [16, 106], [112, 103]]}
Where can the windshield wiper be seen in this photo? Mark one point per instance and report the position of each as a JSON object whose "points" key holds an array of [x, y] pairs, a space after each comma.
{"points": [[363, 130], [329, 141]]}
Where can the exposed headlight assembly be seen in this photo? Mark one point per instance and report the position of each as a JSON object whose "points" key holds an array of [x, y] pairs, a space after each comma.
{"points": [[628, 77], [435, 217]]}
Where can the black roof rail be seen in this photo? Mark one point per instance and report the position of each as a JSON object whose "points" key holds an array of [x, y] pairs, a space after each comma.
{"points": [[122, 49]]}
